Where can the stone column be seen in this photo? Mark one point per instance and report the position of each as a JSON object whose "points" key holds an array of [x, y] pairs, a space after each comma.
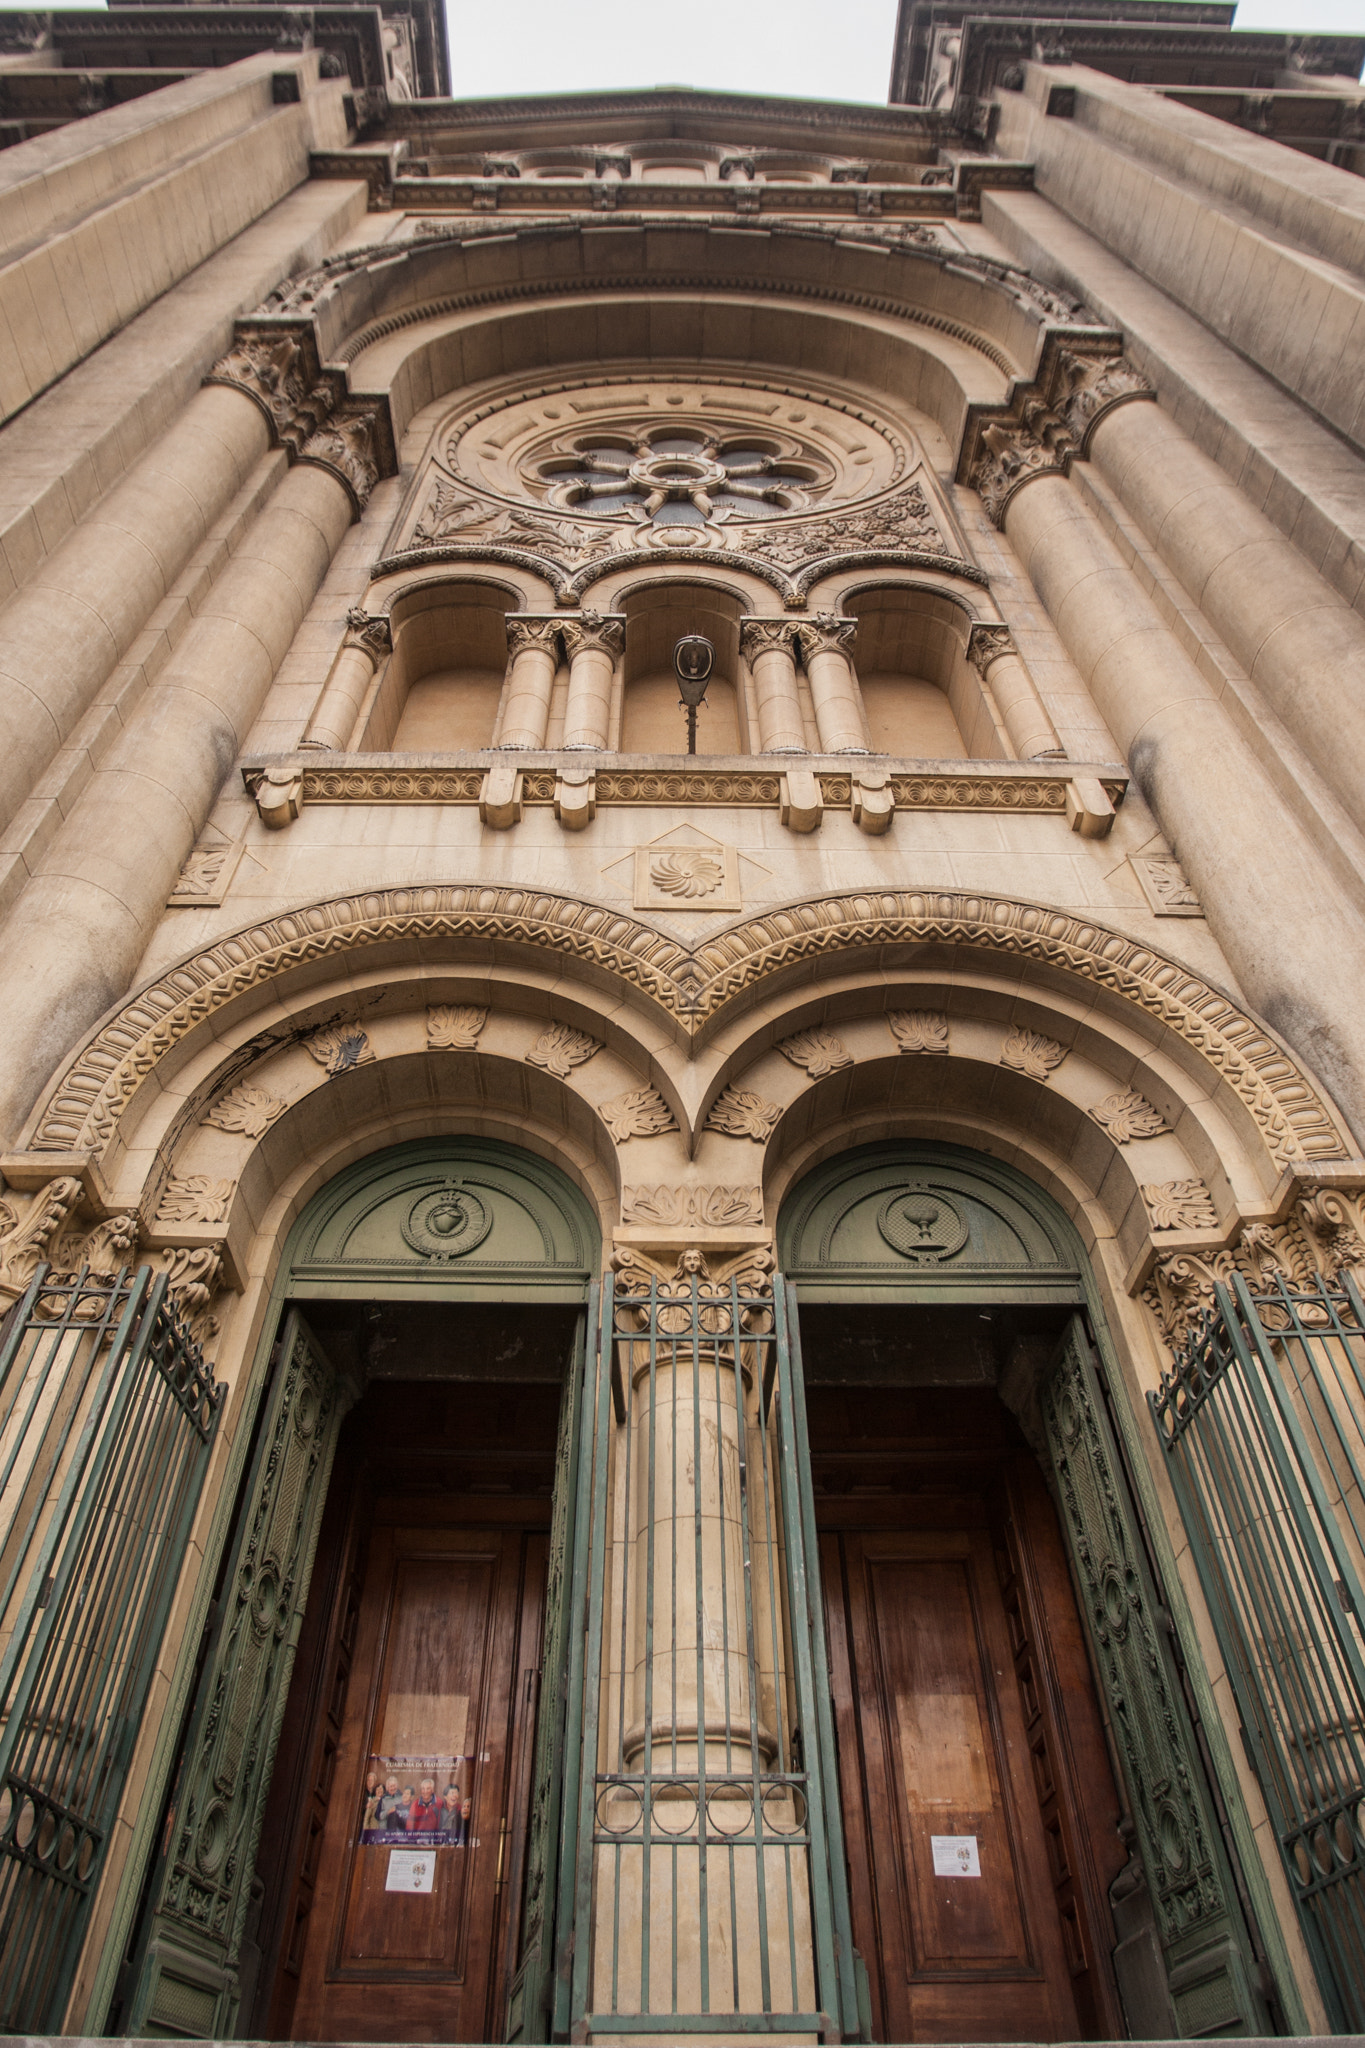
{"points": [[992, 653], [79, 613], [595, 641], [769, 647], [1298, 640], [80, 927], [368, 642], [826, 643], [1289, 934], [533, 644]]}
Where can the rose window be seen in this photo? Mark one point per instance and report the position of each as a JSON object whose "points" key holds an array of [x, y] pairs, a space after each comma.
{"points": [[680, 477]]}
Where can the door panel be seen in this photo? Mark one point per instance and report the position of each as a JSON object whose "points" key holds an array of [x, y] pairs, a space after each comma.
{"points": [[442, 1629]]}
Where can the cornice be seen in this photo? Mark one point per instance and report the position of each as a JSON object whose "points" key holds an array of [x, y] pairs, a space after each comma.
{"points": [[752, 110]]}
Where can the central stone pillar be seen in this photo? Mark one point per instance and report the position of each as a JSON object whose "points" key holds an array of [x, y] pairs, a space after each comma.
{"points": [[595, 641], [769, 647], [533, 647], [826, 643]]}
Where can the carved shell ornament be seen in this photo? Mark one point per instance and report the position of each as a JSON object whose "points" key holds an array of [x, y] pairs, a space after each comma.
{"points": [[688, 871]]}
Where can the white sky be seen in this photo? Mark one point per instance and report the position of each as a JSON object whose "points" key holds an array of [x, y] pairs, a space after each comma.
{"points": [[815, 49]]}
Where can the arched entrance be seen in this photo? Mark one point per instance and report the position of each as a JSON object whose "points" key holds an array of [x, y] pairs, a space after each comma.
{"points": [[345, 1851], [1018, 1868]]}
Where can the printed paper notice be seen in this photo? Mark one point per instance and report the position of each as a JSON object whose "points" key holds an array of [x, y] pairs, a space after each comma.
{"points": [[955, 1856], [411, 1870]]}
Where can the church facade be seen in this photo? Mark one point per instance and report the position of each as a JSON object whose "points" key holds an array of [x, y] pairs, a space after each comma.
{"points": [[682, 1070]]}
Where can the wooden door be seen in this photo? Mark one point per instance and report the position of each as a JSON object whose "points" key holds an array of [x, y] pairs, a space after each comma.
{"points": [[405, 1939]]}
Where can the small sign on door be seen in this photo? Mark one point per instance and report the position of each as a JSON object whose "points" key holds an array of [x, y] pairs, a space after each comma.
{"points": [[955, 1856], [410, 1870]]}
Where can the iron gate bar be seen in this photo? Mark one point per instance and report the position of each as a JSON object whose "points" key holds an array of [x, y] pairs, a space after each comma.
{"points": [[667, 1345], [102, 1566], [1282, 1588]]}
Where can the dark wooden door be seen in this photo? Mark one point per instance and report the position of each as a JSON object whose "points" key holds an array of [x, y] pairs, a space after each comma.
{"points": [[407, 1931], [979, 1808]]}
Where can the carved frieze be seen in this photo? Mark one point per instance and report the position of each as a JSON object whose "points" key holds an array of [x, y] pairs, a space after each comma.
{"points": [[1031, 1053], [674, 1207], [639, 1113], [454, 1027], [817, 1052], [903, 524], [739, 1113], [560, 1048], [919, 1030], [1127, 1115]]}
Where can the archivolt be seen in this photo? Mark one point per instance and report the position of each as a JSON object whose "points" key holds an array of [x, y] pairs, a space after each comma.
{"points": [[696, 988]]}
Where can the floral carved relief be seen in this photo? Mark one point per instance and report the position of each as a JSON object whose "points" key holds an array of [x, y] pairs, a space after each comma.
{"points": [[639, 1113], [817, 1052], [1180, 1205], [1127, 1115], [246, 1110], [560, 1048], [739, 1113], [1031, 1053], [454, 1027], [919, 1030]]}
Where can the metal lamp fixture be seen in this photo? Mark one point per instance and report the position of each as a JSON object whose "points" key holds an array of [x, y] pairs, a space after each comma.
{"points": [[693, 659]]}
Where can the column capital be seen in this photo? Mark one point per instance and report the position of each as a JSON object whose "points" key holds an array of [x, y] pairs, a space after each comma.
{"points": [[372, 632], [1086, 388], [310, 412], [986, 643], [826, 633], [525, 629], [351, 443], [762, 636], [1012, 452], [605, 631]]}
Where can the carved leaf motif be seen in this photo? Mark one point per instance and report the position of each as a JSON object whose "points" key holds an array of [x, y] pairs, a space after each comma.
{"points": [[639, 1113], [201, 871], [1180, 1205], [246, 1110], [560, 1048], [25, 1240], [739, 1113], [919, 1030], [687, 871], [110, 1245], [195, 1199], [1031, 1053], [454, 1027], [339, 1047], [903, 523], [1126, 1115], [818, 1051], [715, 1206]]}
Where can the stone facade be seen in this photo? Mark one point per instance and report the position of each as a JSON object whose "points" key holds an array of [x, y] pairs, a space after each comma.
{"points": [[365, 457]]}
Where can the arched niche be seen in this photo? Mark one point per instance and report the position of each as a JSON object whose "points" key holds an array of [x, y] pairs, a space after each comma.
{"points": [[652, 720], [924, 700], [443, 684], [926, 1222], [451, 1219]]}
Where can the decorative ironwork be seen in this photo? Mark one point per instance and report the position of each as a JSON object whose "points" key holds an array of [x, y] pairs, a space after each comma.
{"points": [[1261, 1421], [708, 1854], [107, 1412]]}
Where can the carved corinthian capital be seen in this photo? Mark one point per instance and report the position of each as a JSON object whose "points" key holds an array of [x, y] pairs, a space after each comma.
{"points": [[532, 632], [987, 644], [1011, 454], [274, 370], [1089, 387], [826, 633], [349, 444], [371, 632], [601, 630], [763, 636]]}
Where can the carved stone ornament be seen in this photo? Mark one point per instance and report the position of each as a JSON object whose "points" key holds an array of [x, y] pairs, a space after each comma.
{"points": [[195, 1278], [1032, 1054], [986, 645], [532, 632], [825, 633], [560, 1048], [1012, 454], [205, 877], [454, 1027], [24, 1239], [1165, 886], [602, 631], [277, 794], [1127, 1115], [338, 1048], [274, 370], [716, 1208], [110, 1246], [1180, 1205], [902, 525], [1089, 387], [372, 632], [348, 445], [687, 871], [762, 636], [817, 1051], [694, 984], [919, 1030], [639, 1113], [247, 1111], [195, 1198], [739, 1113]]}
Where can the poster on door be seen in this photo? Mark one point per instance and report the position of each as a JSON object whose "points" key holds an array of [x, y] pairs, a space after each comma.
{"points": [[417, 1802]]}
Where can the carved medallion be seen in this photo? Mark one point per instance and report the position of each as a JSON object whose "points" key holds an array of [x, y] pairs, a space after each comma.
{"points": [[922, 1224], [447, 1223]]}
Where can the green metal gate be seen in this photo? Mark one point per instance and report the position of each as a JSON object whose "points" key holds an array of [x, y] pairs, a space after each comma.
{"points": [[708, 1892], [1261, 1418], [107, 1413]]}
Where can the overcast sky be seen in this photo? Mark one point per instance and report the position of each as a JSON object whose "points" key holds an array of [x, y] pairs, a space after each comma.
{"points": [[817, 49]]}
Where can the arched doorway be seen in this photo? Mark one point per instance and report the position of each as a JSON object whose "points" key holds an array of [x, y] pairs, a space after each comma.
{"points": [[345, 1850], [1033, 1849]]}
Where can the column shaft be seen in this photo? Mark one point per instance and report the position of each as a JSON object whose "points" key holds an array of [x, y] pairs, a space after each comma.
{"points": [[1299, 641], [826, 644], [594, 644], [769, 646], [1032, 733], [79, 929], [62, 634], [344, 692], [534, 646], [1290, 937]]}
